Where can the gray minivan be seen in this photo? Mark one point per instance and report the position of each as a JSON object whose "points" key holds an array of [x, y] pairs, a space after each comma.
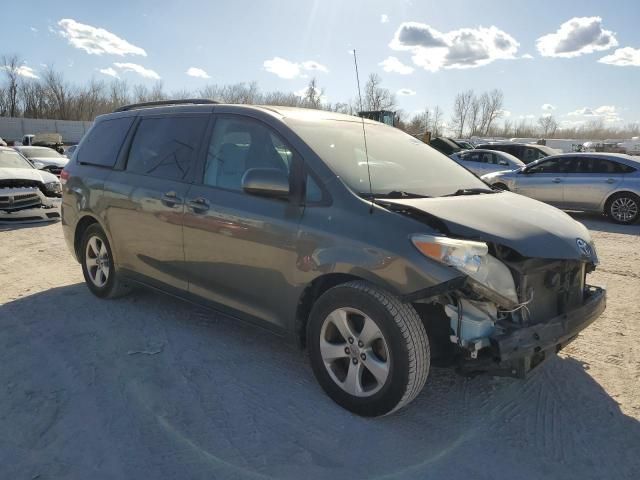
{"points": [[376, 256]]}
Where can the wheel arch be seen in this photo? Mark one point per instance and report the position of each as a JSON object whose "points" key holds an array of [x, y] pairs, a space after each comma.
{"points": [[81, 226], [611, 195]]}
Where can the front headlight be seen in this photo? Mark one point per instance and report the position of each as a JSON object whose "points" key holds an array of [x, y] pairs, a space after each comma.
{"points": [[472, 258], [465, 255], [53, 187]]}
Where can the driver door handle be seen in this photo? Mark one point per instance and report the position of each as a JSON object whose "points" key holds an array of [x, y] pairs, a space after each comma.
{"points": [[170, 199], [199, 205]]}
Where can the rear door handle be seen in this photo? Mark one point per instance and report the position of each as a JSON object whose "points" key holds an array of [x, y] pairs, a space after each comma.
{"points": [[556, 180], [611, 180], [199, 205], [170, 199]]}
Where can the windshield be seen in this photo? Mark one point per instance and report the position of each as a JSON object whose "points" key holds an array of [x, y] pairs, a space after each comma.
{"points": [[398, 162], [39, 153], [11, 159]]}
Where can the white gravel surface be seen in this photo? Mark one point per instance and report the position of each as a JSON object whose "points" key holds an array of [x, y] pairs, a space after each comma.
{"points": [[148, 387]]}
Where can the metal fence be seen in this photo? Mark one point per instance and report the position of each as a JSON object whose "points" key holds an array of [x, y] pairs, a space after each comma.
{"points": [[15, 128]]}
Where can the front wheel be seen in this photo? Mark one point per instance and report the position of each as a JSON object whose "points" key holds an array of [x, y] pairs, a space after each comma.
{"points": [[368, 350], [623, 208]]}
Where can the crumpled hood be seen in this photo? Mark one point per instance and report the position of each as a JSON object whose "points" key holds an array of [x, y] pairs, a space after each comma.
{"points": [[27, 174], [530, 227]]}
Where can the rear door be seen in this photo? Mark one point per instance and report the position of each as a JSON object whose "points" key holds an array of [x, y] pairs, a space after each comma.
{"points": [[241, 248], [589, 182], [145, 198], [543, 181]]}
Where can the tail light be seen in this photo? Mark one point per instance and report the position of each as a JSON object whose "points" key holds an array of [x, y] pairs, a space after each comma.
{"points": [[64, 176]]}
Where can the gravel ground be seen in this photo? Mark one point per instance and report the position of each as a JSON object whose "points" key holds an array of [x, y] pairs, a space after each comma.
{"points": [[150, 387]]}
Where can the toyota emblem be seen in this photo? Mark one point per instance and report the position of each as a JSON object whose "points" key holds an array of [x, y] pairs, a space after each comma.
{"points": [[584, 247]]}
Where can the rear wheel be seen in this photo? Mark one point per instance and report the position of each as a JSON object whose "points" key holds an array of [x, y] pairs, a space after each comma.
{"points": [[368, 350], [98, 267], [623, 208]]}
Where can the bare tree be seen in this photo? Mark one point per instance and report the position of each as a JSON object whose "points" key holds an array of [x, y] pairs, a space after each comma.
{"points": [[313, 95], [548, 125], [461, 107], [437, 121], [10, 66], [474, 115], [377, 97], [493, 109]]}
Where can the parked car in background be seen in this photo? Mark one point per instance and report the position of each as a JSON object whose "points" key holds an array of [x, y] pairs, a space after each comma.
{"points": [[44, 158], [481, 161], [597, 182], [26, 193], [372, 262], [445, 145], [525, 152], [463, 143], [2, 143]]}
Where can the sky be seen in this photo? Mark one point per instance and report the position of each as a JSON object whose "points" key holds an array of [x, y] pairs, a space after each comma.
{"points": [[577, 60]]}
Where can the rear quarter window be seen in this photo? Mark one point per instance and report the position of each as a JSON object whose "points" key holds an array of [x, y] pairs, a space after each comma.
{"points": [[102, 144]]}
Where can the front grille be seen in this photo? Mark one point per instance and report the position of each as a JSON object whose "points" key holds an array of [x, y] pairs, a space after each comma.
{"points": [[13, 201]]}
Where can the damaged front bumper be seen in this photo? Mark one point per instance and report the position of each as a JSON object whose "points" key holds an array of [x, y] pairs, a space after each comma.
{"points": [[27, 204], [517, 351]]}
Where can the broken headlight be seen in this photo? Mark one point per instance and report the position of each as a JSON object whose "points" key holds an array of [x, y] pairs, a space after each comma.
{"points": [[52, 188], [472, 258]]}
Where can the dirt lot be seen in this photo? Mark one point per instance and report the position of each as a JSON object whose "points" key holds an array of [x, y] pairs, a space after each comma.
{"points": [[149, 387]]}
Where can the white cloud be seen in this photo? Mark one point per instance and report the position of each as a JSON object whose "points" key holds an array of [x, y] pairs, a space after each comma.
{"points": [[548, 107], [527, 117], [110, 72], [96, 41], [139, 69], [33, 29], [527, 56], [576, 37], [286, 69], [384, 18], [22, 71], [462, 48], [392, 64], [505, 113], [406, 92], [607, 113], [623, 57], [197, 72]]}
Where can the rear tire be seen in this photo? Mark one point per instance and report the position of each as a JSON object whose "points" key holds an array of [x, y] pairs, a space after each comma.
{"points": [[623, 208], [368, 350], [98, 267]]}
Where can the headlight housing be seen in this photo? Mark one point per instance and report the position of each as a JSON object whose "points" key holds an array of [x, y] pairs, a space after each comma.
{"points": [[465, 255], [472, 258], [53, 187]]}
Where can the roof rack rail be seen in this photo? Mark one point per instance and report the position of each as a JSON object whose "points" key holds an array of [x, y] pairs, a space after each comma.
{"points": [[186, 101]]}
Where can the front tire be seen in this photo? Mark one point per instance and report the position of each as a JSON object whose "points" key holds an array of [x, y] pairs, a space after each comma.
{"points": [[368, 350], [98, 267], [623, 208]]}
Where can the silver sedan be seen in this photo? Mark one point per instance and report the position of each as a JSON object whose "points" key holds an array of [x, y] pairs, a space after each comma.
{"points": [[598, 182], [481, 161]]}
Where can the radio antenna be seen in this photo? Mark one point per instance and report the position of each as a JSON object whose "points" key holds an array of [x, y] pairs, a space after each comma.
{"points": [[364, 131]]}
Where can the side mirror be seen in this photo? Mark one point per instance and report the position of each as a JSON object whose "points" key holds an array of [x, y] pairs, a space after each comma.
{"points": [[266, 182]]}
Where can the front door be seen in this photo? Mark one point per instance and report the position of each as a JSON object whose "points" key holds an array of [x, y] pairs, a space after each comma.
{"points": [[543, 181], [146, 204], [241, 248], [589, 182]]}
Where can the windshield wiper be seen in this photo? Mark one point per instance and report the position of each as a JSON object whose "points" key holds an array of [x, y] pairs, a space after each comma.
{"points": [[395, 194], [471, 191]]}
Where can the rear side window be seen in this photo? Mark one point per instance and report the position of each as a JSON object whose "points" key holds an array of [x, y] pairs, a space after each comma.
{"points": [[102, 144], [166, 147]]}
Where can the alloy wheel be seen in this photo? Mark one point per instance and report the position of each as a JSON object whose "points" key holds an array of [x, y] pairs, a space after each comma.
{"points": [[624, 209], [97, 261], [354, 352]]}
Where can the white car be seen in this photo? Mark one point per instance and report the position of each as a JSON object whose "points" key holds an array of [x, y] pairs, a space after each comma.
{"points": [[481, 161], [26, 193], [44, 158]]}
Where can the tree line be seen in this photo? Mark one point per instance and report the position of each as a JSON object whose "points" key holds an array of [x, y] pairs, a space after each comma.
{"points": [[51, 96]]}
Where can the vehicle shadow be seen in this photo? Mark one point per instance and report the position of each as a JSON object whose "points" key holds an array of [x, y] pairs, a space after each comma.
{"points": [[150, 387], [7, 226], [594, 221]]}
